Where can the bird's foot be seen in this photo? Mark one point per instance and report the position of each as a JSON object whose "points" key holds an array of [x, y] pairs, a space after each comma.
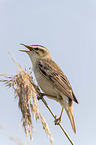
{"points": [[40, 96], [57, 121]]}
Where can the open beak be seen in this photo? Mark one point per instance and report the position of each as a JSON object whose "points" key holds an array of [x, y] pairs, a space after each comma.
{"points": [[27, 46]]}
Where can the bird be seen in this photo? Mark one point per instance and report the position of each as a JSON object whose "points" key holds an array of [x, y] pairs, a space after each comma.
{"points": [[52, 80]]}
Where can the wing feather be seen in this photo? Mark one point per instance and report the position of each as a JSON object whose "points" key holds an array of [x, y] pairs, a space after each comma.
{"points": [[52, 72]]}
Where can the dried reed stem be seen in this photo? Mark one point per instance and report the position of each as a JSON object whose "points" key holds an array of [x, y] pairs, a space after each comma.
{"points": [[27, 93]]}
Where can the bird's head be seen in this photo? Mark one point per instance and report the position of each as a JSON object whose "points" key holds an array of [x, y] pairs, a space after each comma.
{"points": [[36, 51]]}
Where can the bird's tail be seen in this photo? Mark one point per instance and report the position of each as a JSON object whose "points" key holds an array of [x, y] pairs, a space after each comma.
{"points": [[69, 112]]}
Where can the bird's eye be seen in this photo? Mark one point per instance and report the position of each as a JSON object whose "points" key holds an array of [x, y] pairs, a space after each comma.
{"points": [[37, 49]]}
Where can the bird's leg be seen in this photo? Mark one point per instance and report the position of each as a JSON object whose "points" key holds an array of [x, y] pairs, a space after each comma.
{"points": [[57, 121], [44, 94]]}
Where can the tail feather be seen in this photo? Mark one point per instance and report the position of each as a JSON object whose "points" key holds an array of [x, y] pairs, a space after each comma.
{"points": [[69, 112]]}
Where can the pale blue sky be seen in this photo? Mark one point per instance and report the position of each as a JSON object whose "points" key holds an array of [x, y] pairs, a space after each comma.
{"points": [[68, 30]]}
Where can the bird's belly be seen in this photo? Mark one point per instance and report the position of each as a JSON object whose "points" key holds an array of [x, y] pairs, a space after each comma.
{"points": [[49, 88], [45, 84]]}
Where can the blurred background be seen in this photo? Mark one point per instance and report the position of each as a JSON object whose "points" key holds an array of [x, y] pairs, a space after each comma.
{"points": [[68, 30]]}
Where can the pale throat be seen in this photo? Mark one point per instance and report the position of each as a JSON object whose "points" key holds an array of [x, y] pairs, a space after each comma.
{"points": [[34, 59]]}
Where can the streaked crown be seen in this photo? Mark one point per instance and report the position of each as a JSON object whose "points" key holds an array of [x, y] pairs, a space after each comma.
{"points": [[41, 51]]}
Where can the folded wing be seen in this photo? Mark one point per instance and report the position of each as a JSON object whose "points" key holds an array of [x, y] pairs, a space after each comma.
{"points": [[52, 72]]}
